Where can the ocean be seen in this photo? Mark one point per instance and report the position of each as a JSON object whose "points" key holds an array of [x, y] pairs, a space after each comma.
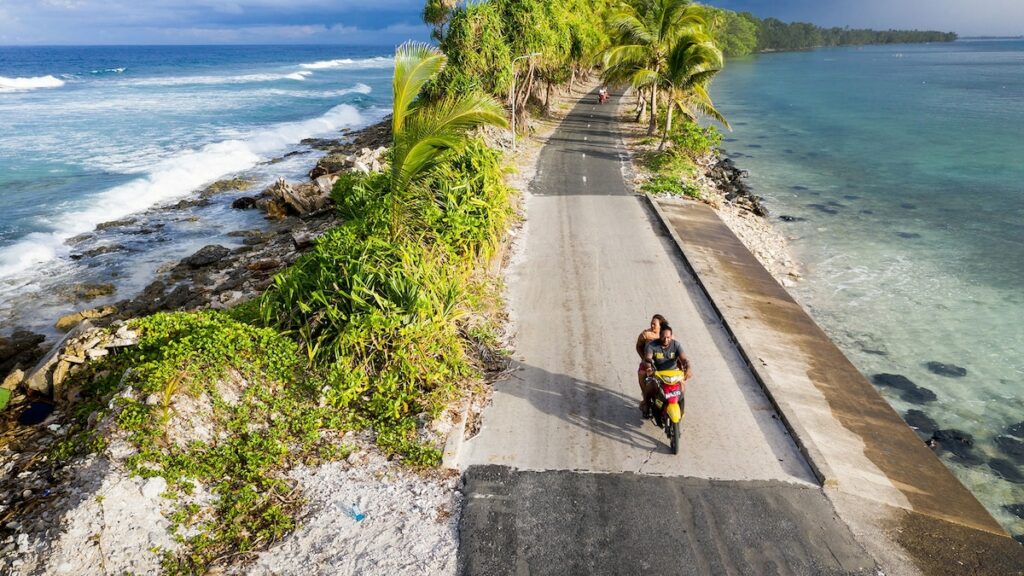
{"points": [[897, 173], [90, 135]]}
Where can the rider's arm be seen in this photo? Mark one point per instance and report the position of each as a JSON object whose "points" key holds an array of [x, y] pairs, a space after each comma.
{"points": [[684, 365], [649, 356]]}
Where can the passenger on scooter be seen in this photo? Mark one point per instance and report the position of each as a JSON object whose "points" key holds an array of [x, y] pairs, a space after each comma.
{"points": [[664, 354], [650, 334]]}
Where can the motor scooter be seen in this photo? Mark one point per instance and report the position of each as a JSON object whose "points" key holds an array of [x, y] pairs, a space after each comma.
{"points": [[667, 404]]}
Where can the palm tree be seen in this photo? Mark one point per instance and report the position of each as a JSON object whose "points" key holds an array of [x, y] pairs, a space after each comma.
{"points": [[422, 133], [642, 41], [694, 60]]}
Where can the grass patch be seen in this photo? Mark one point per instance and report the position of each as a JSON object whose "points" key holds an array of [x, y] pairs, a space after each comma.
{"points": [[673, 166]]}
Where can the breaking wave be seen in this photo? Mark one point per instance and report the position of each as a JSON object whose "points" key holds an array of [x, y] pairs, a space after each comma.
{"points": [[241, 79], [350, 64], [20, 84], [169, 179]]}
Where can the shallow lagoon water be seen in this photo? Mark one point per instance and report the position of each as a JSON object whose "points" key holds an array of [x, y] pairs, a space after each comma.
{"points": [[900, 170]]}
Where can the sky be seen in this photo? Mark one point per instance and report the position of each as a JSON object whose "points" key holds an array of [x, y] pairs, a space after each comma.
{"points": [[382, 22], [965, 17]]}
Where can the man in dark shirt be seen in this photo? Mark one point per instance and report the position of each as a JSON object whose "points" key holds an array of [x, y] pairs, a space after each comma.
{"points": [[664, 354]]}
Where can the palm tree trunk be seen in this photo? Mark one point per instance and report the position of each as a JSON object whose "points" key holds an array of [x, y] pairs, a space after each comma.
{"points": [[668, 127], [641, 106], [653, 126], [547, 98]]}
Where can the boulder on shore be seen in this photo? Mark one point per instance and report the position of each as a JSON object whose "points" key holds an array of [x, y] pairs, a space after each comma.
{"points": [[244, 203], [299, 199], [87, 291], [69, 321], [206, 255]]}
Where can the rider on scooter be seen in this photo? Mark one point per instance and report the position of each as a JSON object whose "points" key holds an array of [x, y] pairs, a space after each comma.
{"points": [[664, 354]]}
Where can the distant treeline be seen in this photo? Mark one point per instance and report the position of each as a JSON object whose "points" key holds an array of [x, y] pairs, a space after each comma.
{"points": [[740, 33]]}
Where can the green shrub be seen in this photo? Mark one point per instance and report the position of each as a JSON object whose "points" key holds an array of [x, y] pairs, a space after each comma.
{"points": [[661, 185], [695, 140]]}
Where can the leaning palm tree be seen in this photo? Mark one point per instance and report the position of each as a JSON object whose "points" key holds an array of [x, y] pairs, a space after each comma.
{"points": [[642, 40], [692, 63], [423, 133]]}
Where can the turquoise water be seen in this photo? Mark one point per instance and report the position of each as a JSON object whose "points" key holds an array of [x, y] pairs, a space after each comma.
{"points": [[903, 167], [95, 134]]}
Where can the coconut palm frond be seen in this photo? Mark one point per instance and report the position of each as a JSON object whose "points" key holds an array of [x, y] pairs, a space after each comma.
{"points": [[701, 102], [437, 128], [415, 64]]}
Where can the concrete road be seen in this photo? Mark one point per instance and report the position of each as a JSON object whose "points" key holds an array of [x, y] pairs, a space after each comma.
{"points": [[593, 270], [564, 476], [566, 523]]}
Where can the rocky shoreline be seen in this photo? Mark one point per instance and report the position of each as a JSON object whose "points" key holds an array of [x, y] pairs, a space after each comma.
{"points": [[33, 370], [215, 276], [724, 187]]}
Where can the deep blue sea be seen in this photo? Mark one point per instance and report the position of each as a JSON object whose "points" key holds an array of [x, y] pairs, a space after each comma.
{"points": [[903, 169], [94, 134]]}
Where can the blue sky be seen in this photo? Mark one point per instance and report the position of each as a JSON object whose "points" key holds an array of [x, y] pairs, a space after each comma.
{"points": [[965, 17], [392, 21]]}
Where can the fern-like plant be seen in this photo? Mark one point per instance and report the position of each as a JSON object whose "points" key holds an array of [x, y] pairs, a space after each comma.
{"points": [[423, 133]]}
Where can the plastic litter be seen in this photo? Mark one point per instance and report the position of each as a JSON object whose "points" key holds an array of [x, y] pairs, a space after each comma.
{"points": [[356, 513], [35, 413]]}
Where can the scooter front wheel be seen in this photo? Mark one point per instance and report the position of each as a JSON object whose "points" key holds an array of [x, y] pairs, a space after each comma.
{"points": [[673, 436]]}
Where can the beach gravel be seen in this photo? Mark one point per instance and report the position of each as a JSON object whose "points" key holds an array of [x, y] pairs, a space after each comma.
{"points": [[410, 524]]}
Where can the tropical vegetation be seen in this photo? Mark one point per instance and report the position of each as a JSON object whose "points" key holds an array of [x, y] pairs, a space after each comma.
{"points": [[662, 47], [742, 33]]}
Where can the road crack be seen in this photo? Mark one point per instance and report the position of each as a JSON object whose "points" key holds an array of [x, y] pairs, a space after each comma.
{"points": [[650, 454]]}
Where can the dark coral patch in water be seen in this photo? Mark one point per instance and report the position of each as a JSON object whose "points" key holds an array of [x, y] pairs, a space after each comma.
{"points": [[909, 391], [1012, 447], [908, 206], [1006, 470], [824, 209], [908, 235], [1016, 429], [786, 218], [897, 381], [921, 423], [1015, 509], [958, 443], [949, 370]]}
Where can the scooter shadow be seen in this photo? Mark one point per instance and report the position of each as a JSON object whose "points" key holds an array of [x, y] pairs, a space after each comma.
{"points": [[596, 409]]}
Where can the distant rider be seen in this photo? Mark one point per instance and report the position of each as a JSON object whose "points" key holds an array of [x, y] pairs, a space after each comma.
{"points": [[663, 354]]}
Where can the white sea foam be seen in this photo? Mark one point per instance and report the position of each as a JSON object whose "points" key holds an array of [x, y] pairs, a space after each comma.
{"points": [[172, 178], [350, 64], [20, 84], [109, 71], [239, 79]]}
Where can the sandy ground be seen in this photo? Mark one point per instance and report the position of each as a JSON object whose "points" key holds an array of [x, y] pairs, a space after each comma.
{"points": [[101, 522], [410, 524]]}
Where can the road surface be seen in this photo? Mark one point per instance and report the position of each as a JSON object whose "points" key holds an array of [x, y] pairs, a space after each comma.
{"points": [[564, 477]]}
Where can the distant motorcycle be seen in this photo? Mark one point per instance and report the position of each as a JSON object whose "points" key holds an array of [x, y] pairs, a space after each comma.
{"points": [[668, 404], [602, 97]]}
